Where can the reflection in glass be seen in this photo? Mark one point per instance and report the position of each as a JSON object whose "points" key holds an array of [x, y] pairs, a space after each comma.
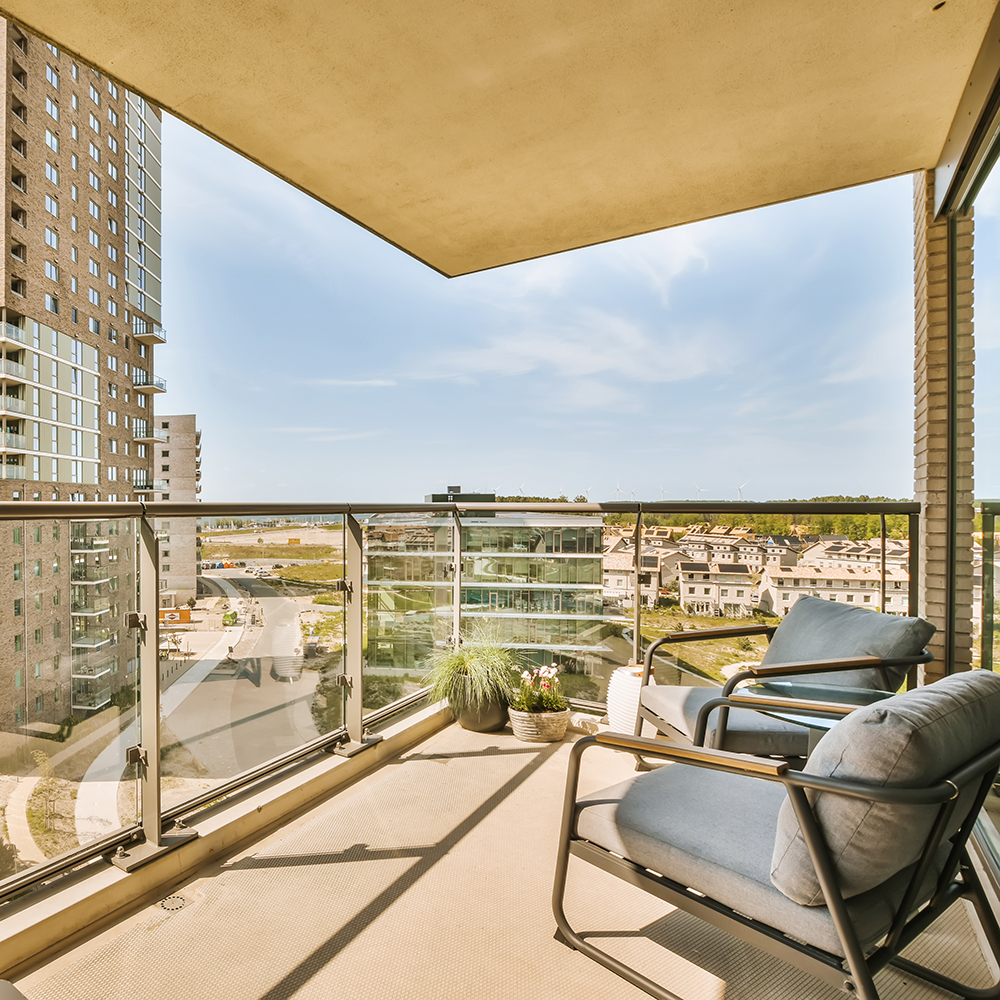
{"points": [[69, 669]]}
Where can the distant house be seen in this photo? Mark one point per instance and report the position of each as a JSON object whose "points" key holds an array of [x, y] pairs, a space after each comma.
{"points": [[725, 589], [657, 566], [782, 586]]}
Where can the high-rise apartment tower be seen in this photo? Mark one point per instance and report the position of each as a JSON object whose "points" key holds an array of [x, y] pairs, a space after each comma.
{"points": [[81, 279]]}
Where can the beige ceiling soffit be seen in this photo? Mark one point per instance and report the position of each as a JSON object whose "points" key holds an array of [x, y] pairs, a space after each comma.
{"points": [[975, 129], [474, 135]]}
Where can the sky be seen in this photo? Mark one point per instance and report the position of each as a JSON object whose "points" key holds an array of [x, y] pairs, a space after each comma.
{"points": [[766, 354]]}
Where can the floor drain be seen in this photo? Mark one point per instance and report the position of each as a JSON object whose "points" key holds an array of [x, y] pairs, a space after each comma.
{"points": [[173, 903]]}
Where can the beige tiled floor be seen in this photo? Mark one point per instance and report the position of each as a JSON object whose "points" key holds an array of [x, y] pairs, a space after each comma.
{"points": [[430, 878]]}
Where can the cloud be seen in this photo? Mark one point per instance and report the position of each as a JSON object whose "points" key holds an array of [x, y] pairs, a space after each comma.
{"points": [[361, 382]]}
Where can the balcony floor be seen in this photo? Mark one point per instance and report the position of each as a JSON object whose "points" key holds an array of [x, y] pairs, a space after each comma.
{"points": [[431, 877]]}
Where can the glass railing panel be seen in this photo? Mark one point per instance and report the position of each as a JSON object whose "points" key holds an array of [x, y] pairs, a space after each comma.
{"points": [[69, 672], [986, 622], [248, 673]]}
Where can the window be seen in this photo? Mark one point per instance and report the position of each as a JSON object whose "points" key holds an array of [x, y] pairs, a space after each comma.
{"points": [[95, 123], [112, 252], [95, 268], [51, 303], [113, 418], [51, 173], [166, 468], [95, 152], [74, 132], [113, 117], [52, 108], [112, 390], [94, 295], [113, 90], [708, 590], [52, 49], [51, 141], [95, 209], [112, 305], [112, 199], [113, 226], [75, 101], [94, 95], [113, 473], [868, 598], [73, 223], [38, 636], [739, 593], [112, 279], [784, 597], [74, 192], [51, 271], [113, 143], [18, 647], [95, 181], [38, 567], [17, 286], [51, 206], [850, 598], [51, 238], [95, 240], [112, 363]]}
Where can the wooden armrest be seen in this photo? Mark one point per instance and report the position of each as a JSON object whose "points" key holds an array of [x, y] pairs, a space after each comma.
{"points": [[727, 632], [813, 666], [791, 704], [719, 760]]}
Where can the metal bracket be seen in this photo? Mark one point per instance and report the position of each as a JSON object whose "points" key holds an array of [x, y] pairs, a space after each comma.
{"points": [[136, 755], [345, 681], [135, 620], [343, 586], [352, 747]]}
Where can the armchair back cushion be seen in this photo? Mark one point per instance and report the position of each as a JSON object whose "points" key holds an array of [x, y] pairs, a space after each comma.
{"points": [[910, 740], [816, 629]]}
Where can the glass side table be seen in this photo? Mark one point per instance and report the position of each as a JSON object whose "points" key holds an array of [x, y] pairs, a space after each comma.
{"points": [[817, 707]]}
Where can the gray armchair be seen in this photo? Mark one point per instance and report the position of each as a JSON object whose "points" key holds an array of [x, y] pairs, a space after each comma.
{"points": [[831, 644], [837, 868]]}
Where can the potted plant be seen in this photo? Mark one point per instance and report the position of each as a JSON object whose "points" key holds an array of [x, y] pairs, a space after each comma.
{"points": [[476, 679], [539, 713]]}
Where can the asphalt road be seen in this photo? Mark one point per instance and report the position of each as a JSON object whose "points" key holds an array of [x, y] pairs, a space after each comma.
{"points": [[235, 721]]}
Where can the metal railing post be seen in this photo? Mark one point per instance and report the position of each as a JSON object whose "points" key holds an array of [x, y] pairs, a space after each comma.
{"points": [[636, 593], [881, 598], [149, 683], [986, 628], [456, 597], [354, 628]]}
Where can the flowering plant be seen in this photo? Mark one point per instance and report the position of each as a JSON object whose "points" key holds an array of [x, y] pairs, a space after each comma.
{"points": [[539, 692]]}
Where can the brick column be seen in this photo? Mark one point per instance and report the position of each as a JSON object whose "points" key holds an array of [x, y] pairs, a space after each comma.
{"points": [[943, 426]]}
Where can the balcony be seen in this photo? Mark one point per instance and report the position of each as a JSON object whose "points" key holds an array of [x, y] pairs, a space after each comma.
{"points": [[11, 404], [151, 485], [14, 371], [82, 573], [15, 472], [12, 334], [148, 383], [143, 431], [149, 333], [17, 442], [89, 665], [90, 605], [90, 637]]}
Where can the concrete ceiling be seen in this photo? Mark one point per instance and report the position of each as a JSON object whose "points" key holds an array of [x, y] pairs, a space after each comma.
{"points": [[475, 133]]}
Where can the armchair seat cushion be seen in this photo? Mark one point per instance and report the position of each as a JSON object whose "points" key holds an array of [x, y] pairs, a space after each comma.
{"points": [[746, 732], [714, 832]]}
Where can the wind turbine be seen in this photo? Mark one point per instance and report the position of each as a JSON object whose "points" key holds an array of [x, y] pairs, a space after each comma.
{"points": [[700, 490], [520, 489], [662, 491], [739, 491], [618, 491], [586, 493]]}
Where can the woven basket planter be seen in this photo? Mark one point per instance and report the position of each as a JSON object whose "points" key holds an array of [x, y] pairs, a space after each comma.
{"points": [[539, 727]]}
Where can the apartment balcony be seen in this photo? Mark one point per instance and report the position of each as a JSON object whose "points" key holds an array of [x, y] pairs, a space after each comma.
{"points": [[89, 696], [85, 538], [82, 573], [151, 485], [15, 472], [16, 442], [143, 431], [11, 334], [149, 333], [148, 383], [11, 404], [13, 371], [89, 665], [91, 637], [90, 605]]}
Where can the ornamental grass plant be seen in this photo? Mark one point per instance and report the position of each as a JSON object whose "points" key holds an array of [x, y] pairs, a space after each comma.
{"points": [[539, 691], [479, 671]]}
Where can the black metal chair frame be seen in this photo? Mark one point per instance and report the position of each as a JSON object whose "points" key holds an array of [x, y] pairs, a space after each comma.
{"points": [[761, 673], [854, 973]]}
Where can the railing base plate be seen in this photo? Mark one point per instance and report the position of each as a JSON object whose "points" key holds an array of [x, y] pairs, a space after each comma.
{"points": [[352, 747], [141, 853]]}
